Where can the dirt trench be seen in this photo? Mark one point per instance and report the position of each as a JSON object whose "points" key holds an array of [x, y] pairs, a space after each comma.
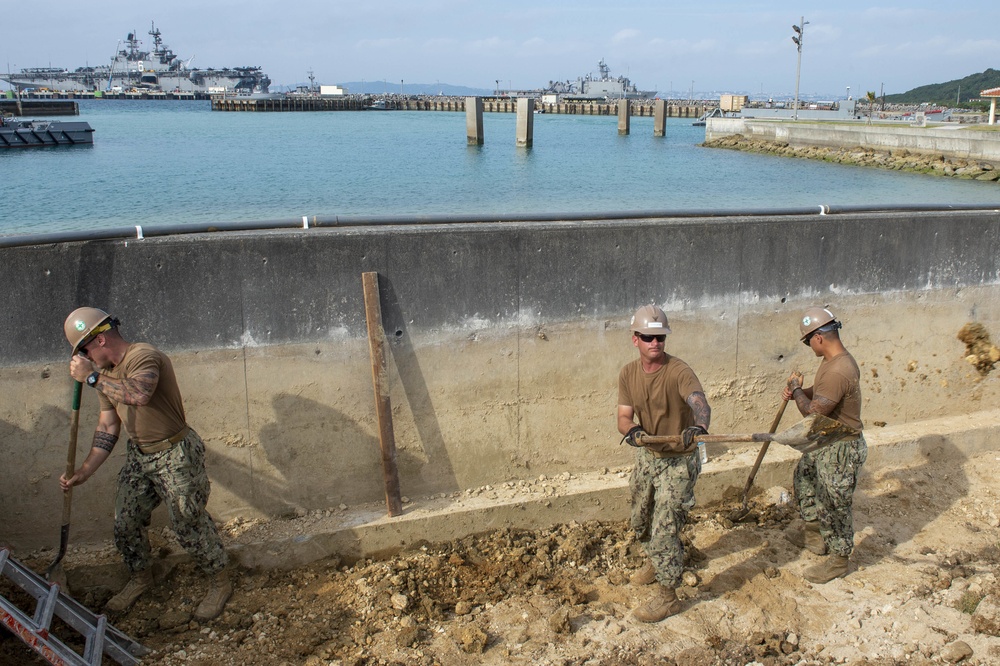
{"points": [[922, 590]]}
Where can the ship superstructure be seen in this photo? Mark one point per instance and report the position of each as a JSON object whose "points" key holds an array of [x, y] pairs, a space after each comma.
{"points": [[133, 68], [602, 87]]}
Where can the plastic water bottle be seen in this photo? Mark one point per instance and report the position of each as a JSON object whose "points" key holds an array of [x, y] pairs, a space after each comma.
{"points": [[702, 452]]}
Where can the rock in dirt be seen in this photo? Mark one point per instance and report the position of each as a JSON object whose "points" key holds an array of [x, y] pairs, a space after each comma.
{"points": [[472, 639], [172, 619], [956, 652], [986, 619]]}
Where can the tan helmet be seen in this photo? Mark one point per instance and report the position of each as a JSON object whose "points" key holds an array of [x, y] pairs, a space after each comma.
{"points": [[815, 318], [83, 324], [650, 320]]}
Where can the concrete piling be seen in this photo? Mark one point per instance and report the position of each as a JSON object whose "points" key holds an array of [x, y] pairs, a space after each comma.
{"points": [[474, 120], [525, 121], [660, 117], [624, 117]]}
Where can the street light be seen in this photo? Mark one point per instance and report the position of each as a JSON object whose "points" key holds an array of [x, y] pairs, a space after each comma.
{"points": [[797, 38]]}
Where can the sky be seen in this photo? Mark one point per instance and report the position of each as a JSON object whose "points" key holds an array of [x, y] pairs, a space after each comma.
{"points": [[721, 46]]}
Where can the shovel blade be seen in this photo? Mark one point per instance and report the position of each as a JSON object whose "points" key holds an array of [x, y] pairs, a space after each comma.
{"points": [[813, 432]]}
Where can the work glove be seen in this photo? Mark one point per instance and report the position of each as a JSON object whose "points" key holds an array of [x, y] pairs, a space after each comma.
{"points": [[635, 433], [689, 434]]}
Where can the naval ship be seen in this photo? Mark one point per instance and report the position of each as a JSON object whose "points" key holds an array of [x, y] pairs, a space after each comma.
{"points": [[135, 69], [602, 87]]}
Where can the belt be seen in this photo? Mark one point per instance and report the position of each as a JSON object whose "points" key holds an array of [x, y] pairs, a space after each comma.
{"points": [[672, 454], [163, 444]]}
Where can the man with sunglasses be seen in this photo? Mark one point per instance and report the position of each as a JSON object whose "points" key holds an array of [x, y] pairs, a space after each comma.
{"points": [[664, 395], [165, 460], [825, 479]]}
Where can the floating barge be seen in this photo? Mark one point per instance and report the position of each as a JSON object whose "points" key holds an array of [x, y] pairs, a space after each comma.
{"points": [[38, 133]]}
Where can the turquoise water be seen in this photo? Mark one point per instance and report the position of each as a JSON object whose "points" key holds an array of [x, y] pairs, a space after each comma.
{"points": [[179, 162]]}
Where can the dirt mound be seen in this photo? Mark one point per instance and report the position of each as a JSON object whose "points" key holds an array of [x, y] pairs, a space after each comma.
{"points": [[922, 589], [979, 351]]}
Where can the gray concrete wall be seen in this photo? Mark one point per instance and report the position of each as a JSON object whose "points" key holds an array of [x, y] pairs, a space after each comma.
{"points": [[951, 141], [504, 339]]}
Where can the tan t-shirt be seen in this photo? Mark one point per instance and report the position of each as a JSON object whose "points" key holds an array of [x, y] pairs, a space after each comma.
{"points": [[163, 416], [839, 380], [659, 398]]}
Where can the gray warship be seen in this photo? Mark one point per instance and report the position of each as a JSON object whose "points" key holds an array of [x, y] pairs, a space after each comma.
{"points": [[132, 68], [602, 87]]}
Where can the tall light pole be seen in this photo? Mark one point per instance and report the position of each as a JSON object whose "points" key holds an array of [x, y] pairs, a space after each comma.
{"points": [[797, 38]]}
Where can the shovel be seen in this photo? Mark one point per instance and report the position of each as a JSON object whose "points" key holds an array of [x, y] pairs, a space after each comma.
{"points": [[55, 571], [812, 432], [737, 515]]}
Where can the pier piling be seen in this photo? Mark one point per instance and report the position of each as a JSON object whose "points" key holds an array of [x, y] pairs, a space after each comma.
{"points": [[474, 120], [624, 117], [525, 121], [660, 117]]}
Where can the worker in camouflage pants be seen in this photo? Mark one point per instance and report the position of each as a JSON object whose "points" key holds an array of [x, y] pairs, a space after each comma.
{"points": [[825, 479], [664, 395], [179, 475], [165, 459]]}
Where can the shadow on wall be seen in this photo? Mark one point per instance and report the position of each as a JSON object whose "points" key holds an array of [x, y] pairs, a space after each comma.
{"points": [[34, 456], [433, 470]]}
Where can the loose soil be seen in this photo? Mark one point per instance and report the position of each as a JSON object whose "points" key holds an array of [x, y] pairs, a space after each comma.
{"points": [[922, 589]]}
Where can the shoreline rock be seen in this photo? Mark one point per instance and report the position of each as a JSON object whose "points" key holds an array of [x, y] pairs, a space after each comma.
{"points": [[892, 160]]}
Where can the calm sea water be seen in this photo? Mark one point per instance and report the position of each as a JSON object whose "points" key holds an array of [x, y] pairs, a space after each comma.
{"points": [[179, 162]]}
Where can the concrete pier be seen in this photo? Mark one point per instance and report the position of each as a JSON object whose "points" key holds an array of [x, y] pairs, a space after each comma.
{"points": [[525, 122], [955, 141], [623, 117], [474, 120]]}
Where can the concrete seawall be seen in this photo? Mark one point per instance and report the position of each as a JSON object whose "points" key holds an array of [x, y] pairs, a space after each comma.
{"points": [[950, 141], [505, 340]]}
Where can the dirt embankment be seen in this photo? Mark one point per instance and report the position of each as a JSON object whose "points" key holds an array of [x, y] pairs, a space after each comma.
{"points": [[895, 160], [922, 590]]}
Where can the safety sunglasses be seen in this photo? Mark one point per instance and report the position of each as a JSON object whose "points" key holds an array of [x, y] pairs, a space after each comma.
{"points": [[650, 338]]}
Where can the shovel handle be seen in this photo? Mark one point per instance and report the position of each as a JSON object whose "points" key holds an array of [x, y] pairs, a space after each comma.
{"points": [[763, 450], [654, 440], [74, 426]]}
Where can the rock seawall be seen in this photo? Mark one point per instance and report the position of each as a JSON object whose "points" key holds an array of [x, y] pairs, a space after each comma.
{"points": [[894, 160]]}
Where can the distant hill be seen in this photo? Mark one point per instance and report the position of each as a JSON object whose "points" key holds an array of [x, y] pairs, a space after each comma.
{"points": [[952, 93]]}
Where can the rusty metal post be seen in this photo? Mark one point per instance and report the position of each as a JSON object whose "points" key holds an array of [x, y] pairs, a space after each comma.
{"points": [[380, 381]]}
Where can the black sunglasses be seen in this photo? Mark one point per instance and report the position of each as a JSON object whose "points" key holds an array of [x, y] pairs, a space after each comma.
{"points": [[806, 340], [650, 338]]}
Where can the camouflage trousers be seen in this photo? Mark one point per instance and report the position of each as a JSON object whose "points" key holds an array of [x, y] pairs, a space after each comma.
{"points": [[825, 480], [662, 496], [177, 478]]}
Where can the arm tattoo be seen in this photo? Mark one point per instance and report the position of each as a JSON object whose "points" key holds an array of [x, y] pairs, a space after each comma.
{"points": [[821, 405], [135, 390], [105, 440], [802, 401], [699, 405]]}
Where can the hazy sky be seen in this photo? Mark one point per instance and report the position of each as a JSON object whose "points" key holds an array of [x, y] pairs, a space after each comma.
{"points": [[722, 46]]}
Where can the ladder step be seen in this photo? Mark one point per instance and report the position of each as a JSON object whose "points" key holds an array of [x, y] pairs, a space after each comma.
{"points": [[101, 638]]}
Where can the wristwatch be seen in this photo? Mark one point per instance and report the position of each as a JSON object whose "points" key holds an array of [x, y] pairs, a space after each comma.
{"points": [[92, 378]]}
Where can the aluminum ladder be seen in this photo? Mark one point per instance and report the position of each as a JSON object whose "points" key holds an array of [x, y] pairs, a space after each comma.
{"points": [[101, 638]]}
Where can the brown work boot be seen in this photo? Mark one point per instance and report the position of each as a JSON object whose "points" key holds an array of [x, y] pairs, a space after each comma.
{"points": [[808, 537], [661, 605], [213, 603], [645, 575], [136, 585], [832, 567]]}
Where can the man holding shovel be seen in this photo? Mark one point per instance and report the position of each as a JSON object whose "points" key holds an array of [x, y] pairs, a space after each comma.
{"points": [[663, 393], [165, 461], [825, 479]]}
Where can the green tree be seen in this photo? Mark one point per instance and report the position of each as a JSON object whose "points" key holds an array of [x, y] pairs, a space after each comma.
{"points": [[870, 95]]}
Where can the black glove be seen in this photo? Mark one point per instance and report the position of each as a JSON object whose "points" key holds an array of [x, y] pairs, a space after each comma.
{"points": [[635, 433], [689, 433]]}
